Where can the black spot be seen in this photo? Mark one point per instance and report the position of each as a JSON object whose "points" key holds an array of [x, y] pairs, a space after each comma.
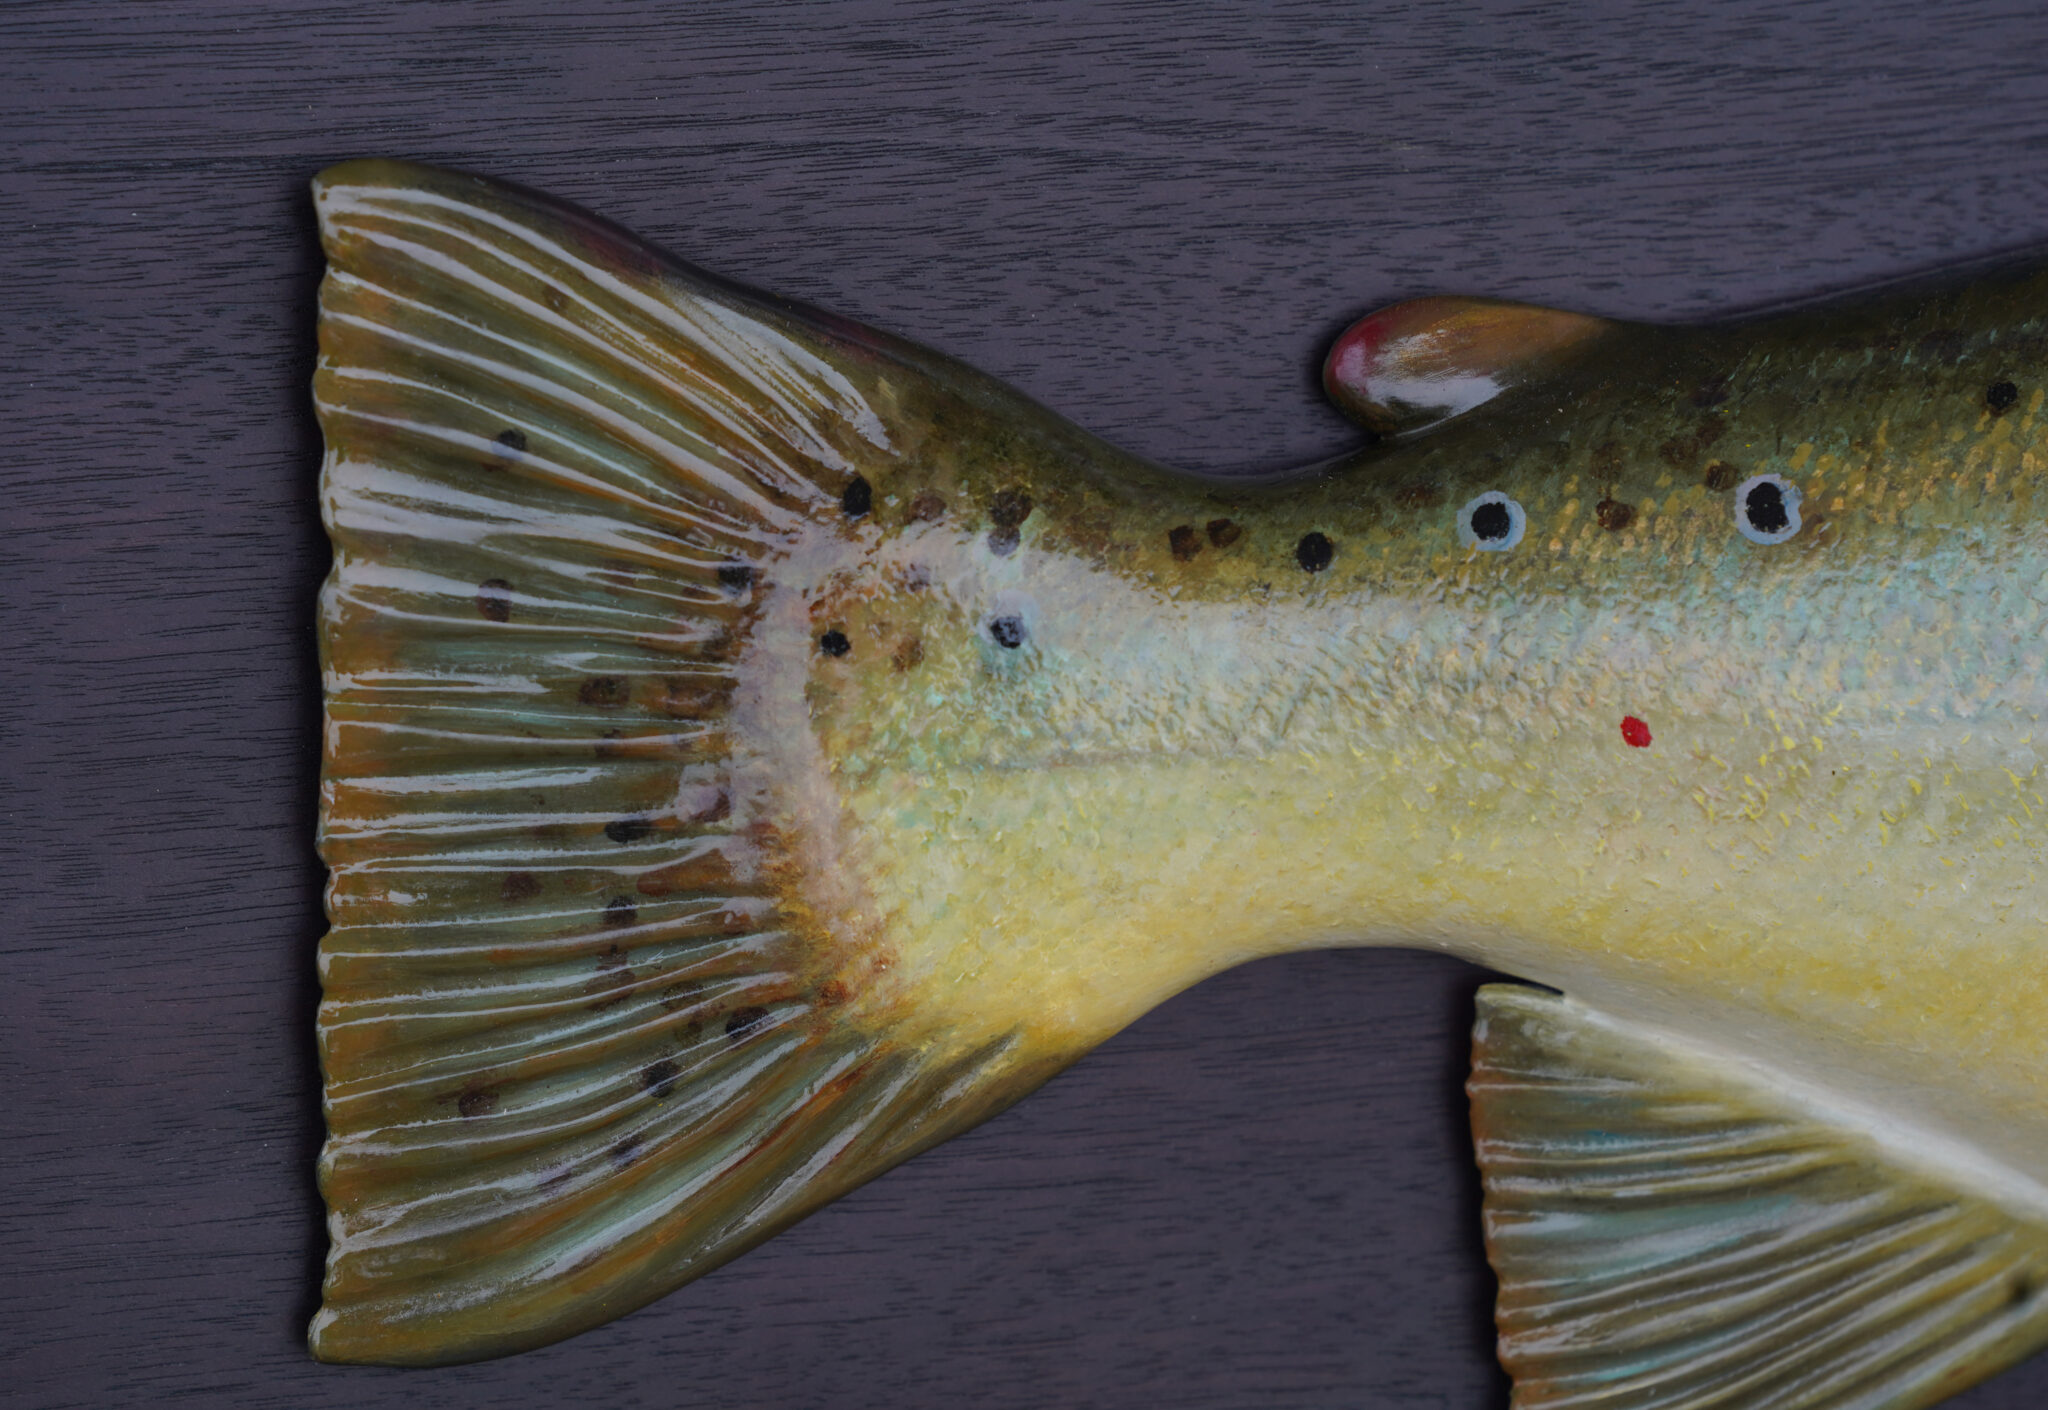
{"points": [[1764, 507], [620, 911], [1491, 522], [1183, 543], [1314, 553], [1009, 509], [520, 886], [513, 440], [477, 1101], [605, 692], [1002, 542], [2000, 397], [626, 831], [1223, 533], [1614, 515], [740, 1022], [659, 1078], [834, 643], [859, 497], [494, 600], [735, 577], [625, 1152], [1007, 631]]}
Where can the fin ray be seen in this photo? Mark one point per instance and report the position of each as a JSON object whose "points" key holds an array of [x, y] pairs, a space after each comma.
{"points": [[580, 1043], [1670, 1232]]}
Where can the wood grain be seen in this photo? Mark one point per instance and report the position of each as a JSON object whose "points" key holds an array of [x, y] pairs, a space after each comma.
{"points": [[1152, 216]]}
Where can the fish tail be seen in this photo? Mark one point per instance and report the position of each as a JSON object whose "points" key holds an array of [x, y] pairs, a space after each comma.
{"points": [[580, 1043]]}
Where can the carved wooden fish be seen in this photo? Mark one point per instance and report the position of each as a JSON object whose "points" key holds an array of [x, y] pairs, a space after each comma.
{"points": [[758, 748]]}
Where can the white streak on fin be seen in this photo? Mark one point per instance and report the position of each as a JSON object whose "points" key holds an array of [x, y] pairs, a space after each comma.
{"points": [[1672, 1230]]}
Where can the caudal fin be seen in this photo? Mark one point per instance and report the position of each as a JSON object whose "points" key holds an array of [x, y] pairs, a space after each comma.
{"points": [[580, 1043]]}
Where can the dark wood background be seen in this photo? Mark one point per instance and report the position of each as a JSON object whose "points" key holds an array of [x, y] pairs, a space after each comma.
{"points": [[1152, 216]]}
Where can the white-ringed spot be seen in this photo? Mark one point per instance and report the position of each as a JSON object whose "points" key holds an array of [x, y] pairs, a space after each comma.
{"points": [[1767, 509], [1492, 523]]}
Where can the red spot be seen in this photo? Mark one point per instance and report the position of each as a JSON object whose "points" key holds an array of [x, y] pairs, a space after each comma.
{"points": [[1634, 732]]}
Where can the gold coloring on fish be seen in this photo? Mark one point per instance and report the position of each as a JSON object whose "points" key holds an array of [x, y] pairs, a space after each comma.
{"points": [[758, 748]]}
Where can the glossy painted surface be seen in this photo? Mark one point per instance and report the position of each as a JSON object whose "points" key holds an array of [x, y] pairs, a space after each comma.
{"points": [[759, 748]]}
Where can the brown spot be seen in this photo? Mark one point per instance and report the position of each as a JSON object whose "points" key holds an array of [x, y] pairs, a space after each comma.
{"points": [[520, 886], [1722, 477], [704, 803], [606, 990], [833, 991], [708, 871], [494, 600], [740, 1022], [659, 1078], [1613, 515], [680, 995], [1683, 451], [1009, 508], [1419, 496], [1183, 542], [604, 692], [620, 911], [925, 506], [917, 577], [618, 572], [625, 1152], [721, 645], [686, 699], [1223, 533], [1607, 460], [613, 983], [909, 652], [477, 1101]]}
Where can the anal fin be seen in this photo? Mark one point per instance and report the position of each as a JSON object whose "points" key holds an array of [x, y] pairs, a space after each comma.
{"points": [[1673, 1231]]}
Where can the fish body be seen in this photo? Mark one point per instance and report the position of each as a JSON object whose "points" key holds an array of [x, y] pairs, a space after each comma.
{"points": [[759, 748]]}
